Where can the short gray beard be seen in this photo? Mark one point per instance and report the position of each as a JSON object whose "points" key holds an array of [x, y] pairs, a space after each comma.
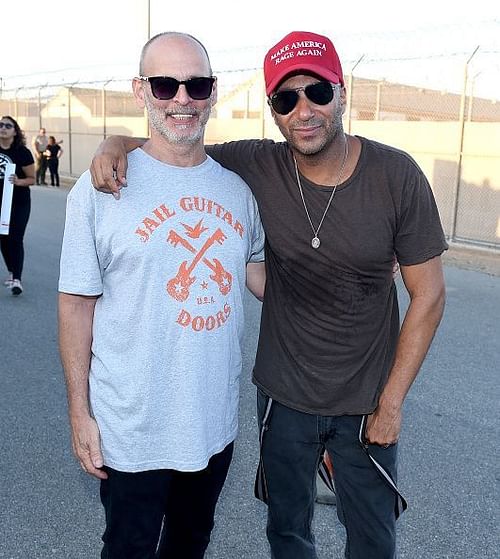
{"points": [[157, 122]]}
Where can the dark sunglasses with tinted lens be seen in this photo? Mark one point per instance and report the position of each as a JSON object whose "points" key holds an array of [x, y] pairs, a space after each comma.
{"points": [[7, 125], [163, 87], [284, 101]]}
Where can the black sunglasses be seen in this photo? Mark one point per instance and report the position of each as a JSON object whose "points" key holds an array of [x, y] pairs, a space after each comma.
{"points": [[163, 87], [284, 101], [7, 125]]}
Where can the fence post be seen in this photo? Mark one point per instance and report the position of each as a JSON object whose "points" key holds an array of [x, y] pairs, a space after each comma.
{"points": [[471, 97], [350, 93], [263, 113], [379, 97], [104, 109], [40, 107], [16, 103], [461, 147], [70, 134]]}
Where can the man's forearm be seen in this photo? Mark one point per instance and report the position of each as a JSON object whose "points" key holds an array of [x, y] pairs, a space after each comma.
{"points": [[76, 315], [426, 288], [425, 285], [418, 329]]}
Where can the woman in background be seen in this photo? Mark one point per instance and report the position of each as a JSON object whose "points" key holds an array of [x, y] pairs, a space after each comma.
{"points": [[53, 153], [13, 150]]}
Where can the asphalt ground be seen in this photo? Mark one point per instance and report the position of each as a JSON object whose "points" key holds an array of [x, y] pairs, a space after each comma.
{"points": [[449, 457]]}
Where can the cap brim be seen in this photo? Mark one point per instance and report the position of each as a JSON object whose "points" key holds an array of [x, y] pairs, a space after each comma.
{"points": [[319, 71]]}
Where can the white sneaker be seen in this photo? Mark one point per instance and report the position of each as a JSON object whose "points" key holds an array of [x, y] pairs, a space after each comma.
{"points": [[16, 288], [8, 281]]}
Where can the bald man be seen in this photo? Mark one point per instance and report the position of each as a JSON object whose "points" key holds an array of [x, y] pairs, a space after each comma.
{"points": [[151, 317]]}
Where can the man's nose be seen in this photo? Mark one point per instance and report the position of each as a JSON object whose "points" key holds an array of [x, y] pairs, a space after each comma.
{"points": [[182, 97], [304, 106]]}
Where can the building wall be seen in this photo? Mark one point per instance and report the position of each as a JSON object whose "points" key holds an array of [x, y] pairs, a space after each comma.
{"points": [[469, 206]]}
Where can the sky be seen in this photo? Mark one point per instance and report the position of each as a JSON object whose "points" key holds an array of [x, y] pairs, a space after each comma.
{"points": [[68, 40]]}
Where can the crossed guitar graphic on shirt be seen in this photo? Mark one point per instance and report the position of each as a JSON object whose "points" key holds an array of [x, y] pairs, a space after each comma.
{"points": [[178, 286]]}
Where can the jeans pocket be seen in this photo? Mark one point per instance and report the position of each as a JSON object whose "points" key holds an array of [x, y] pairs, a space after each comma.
{"points": [[376, 454], [264, 405]]}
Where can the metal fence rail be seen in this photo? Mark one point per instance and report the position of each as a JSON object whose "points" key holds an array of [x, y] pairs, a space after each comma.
{"points": [[453, 134]]}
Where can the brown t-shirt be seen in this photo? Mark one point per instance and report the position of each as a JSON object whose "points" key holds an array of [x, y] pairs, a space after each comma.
{"points": [[330, 318]]}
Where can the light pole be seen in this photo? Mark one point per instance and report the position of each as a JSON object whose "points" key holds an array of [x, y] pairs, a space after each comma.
{"points": [[471, 96], [149, 18], [460, 148], [349, 94]]}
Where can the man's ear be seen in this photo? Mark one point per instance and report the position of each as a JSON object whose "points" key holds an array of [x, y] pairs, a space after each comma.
{"points": [[213, 96], [138, 89], [274, 114], [343, 98]]}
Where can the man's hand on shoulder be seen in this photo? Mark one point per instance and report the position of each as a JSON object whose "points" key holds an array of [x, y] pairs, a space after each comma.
{"points": [[109, 166]]}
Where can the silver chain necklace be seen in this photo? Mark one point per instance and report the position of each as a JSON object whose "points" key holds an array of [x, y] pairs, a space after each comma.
{"points": [[315, 242]]}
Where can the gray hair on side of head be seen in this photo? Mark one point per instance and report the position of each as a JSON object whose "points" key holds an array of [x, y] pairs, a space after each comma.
{"points": [[170, 34]]}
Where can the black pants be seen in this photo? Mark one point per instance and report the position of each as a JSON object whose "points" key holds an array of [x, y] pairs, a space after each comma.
{"points": [[40, 168], [54, 171], [136, 504], [292, 447], [12, 245]]}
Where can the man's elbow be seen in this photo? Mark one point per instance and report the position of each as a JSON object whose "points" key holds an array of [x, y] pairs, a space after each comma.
{"points": [[257, 290], [256, 279], [441, 300], [435, 302]]}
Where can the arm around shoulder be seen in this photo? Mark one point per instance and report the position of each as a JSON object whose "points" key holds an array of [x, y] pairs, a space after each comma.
{"points": [[109, 164]]}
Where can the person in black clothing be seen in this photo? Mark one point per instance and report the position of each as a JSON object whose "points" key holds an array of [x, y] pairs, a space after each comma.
{"points": [[53, 153], [13, 150]]}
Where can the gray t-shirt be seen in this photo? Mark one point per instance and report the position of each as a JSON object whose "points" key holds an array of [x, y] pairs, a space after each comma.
{"points": [[168, 260]]}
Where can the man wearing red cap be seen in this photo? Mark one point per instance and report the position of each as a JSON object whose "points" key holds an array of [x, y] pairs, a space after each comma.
{"points": [[333, 365]]}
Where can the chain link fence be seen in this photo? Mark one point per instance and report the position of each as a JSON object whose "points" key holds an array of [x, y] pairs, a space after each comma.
{"points": [[453, 132]]}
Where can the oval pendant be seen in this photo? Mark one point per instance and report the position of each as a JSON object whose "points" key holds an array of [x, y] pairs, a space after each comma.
{"points": [[315, 242]]}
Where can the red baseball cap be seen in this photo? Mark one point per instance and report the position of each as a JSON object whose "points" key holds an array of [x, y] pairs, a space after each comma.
{"points": [[302, 52]]}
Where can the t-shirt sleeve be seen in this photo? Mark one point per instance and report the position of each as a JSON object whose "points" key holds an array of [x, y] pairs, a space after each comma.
{"points": [[419, 235], [80, 270], [25, 157], [258, 237], [238, 156]]}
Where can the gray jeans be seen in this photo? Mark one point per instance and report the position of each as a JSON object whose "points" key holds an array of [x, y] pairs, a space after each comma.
{"points": [[367, 502]]}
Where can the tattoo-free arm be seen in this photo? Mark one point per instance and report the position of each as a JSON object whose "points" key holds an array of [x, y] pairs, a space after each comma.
{"points": [[425, 286], [256, 279], [109, 164], [76, 315], [29, 179]]}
